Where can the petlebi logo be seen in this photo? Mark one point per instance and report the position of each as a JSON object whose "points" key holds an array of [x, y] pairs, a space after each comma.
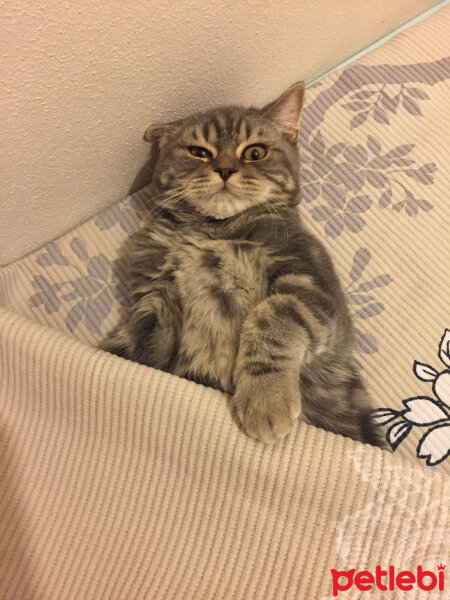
{"points": [[388, 580], [424, 411]]}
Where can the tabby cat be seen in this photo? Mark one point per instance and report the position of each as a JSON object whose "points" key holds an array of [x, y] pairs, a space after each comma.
{"points": [[227, 286]]}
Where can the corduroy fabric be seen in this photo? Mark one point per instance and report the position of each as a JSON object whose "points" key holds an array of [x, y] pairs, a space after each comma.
{"points": [[119, 481]]}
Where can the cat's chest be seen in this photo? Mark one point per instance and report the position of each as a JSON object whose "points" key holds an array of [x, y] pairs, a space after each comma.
{"points": [[230, 271]]}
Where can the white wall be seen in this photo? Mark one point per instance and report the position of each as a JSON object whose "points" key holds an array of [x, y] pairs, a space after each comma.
{"points": [[81, 80]]}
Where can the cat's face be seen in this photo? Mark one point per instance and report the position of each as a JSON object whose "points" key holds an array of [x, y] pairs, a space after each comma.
{"points": [[225, 161]]}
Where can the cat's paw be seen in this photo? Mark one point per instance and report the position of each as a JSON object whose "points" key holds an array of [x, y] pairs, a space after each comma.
{"points": [[266, 410]]}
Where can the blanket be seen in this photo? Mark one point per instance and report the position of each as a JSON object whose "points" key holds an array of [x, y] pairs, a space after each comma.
{"points": [[120, 481]]}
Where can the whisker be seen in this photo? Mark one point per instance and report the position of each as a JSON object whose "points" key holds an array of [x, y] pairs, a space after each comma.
{"points": [[169, 198]]}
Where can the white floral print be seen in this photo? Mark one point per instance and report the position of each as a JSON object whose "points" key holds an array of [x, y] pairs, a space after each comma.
{"points": [[424, 411]]}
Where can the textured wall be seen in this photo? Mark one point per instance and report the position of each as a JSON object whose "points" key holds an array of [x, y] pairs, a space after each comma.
{"points": [[82, 80]]}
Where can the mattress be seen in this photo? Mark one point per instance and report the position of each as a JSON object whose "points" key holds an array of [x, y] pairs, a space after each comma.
{"points": [[120, 481]]}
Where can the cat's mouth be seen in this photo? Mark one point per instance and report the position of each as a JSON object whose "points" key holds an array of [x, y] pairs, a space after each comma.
{"points": [[224, 191]]}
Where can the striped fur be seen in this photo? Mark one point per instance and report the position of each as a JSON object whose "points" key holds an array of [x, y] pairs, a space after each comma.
{"points": [[227, 287]]}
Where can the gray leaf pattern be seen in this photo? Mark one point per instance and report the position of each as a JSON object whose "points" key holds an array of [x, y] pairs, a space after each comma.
{"points": [[363, 306], [384, 100], [379, 281], [85, 286], [371, 310], [360, 262], [97, 309], [99, 266], [365, 342], [359, 119], [79, 247], [47, 294], [380, 115], [417, 93], [126, 215], [337, 175], [358, 299], [373, 145], [90, 296], [74, 316], [411, 106], [52, 255]]}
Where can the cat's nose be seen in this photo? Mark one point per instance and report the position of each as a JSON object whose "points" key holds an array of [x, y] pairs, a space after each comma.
{"points": [[225, 173]]}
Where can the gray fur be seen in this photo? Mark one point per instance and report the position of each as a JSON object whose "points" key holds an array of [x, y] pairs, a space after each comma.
{"points": [[229, 289]]}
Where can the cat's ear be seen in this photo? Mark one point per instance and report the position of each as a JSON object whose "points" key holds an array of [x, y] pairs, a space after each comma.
{"points": [[286, 110], [155, 133], [160, 133]]}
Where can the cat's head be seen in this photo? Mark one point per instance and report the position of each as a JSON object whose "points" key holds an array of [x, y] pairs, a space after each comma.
{"points": [[227, 160]]}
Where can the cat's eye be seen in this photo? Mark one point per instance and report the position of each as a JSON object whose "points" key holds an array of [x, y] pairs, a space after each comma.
{"points": [[199, 152], [254, 152]]}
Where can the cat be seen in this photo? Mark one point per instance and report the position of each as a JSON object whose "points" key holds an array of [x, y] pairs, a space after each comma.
{"points": [[229, 289]]}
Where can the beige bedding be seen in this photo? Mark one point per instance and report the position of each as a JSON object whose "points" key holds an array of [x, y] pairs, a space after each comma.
{"points": [[119, 481]]}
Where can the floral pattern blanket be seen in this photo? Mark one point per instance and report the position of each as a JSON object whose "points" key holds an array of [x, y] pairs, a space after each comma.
{"points": [[375, 149]]}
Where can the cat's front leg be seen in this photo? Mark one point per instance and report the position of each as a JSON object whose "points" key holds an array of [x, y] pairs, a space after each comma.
{"points": [[274, 340], [153, 329], [266, 406], [148, 334]]}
